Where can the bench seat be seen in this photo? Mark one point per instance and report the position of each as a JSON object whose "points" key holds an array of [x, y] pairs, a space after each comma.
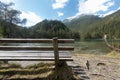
{"points": [[33, 56]]}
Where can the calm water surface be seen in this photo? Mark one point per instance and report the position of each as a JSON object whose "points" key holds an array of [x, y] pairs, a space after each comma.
{"points": [[92, 46]]}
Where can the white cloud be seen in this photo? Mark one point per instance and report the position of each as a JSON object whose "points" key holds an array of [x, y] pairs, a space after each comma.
{"points": [[110, 12], [31, 17], [94, 6], [7, 1], [60, 14], [109, 4], [59, 4]]}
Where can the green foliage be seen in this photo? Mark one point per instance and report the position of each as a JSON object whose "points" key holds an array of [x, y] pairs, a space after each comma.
{"points": [[44, 29], [8, 30], [108, 25], [50, 29]]}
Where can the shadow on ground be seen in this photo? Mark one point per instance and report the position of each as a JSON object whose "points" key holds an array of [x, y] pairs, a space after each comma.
{"points": [[79, 73], [41, 71]]}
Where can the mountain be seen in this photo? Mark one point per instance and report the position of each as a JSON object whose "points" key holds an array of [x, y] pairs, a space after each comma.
{"points": [[50, 29], [81, 22], [94, 27], [108, 25]]}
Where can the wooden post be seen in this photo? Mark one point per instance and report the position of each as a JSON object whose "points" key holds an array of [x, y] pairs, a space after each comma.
{"points": [[56, 53]]}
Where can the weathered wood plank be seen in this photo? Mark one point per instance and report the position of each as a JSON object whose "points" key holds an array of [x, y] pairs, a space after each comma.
{"points": [[13, 40], [32, 56], [34, 53], [32, 59], [46, 48]]}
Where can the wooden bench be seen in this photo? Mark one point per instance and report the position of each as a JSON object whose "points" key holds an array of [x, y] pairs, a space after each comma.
{"points": [[30, 52]]}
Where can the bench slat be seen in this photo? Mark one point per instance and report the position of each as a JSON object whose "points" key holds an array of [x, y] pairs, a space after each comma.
{"points": [[64, 55], [33, 53], [32, 59], [49, 54], [13, 40], [32, 56], [46, 48]]}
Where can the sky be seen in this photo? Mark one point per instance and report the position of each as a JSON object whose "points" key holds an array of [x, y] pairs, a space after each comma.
{"points": [[37, 10]]}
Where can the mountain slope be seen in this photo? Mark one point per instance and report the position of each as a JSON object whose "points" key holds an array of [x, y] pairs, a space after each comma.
{"points": [[81, 23], [50, 29], [108, 25], [94, 27]]}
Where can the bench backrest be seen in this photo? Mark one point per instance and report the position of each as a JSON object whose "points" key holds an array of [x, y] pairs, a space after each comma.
{"points": [[54, 41], [55, 47]]}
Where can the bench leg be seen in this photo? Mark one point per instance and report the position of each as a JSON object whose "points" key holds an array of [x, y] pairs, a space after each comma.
{"points": [[60, 64], [63, 72]]}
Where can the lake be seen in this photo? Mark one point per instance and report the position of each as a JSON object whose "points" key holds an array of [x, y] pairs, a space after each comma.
{"points": [[91, 46]]}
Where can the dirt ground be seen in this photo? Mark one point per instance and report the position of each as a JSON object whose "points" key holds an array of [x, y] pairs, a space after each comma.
{"points": [[101, 67]]}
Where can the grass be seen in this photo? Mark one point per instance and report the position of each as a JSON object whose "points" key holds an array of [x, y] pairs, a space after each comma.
{"points": [[113, 54], [40, 71]]}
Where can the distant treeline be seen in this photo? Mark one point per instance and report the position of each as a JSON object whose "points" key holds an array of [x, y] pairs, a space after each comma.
{"points": [[44, 29]]}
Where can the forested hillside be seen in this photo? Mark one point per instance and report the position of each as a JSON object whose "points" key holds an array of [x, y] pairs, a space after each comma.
{"points": [[93, 27], [50, 29], [108, 25], [44, 29], [81, 22], [8, 30]]}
